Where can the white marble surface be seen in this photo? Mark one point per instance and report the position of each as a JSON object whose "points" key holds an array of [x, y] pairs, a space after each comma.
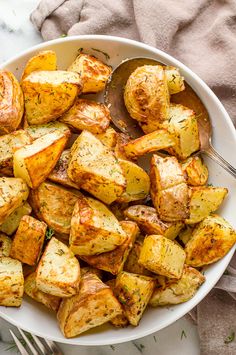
{"points": [[17, 34]]}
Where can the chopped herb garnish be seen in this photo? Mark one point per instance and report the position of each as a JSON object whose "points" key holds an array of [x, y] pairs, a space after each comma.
{"points": [[104, 53], [60, 252], [183, 335], [63, 35], [112, 347], [80, 50], [154, 337], [140, 347], [49, 233], [226, 272], [230, 338]]}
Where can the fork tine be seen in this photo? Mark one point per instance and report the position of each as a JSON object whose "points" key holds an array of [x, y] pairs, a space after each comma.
{"points": [[53, 346], [39, 344], [35, 352], [18, 344]]}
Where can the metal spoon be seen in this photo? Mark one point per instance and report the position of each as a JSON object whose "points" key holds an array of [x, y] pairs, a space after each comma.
{"points": [[113, 98]]}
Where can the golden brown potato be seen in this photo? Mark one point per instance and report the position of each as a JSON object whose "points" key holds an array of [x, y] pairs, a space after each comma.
{"points": [[9, 143], [108, 138], [169, 190], [31, 290], [95, 168], [93, 72], [147, 219], [137, 182], [11, 103], [58, 272], [203, 201], [86, 114], [39, 131], [12, 222], [95, 304], [89, 269], [34, 162], [175, 81], [132, 265], [11, 282], [28, 240], [5, 245], [94, 229], [182, 125], [211, 240], [45, 60], [175, 292], [14, 192], [119, 321], [134, 292], [186, 234], [162, 256], [196, 171], [48, 94], [54, 205], [59, 173], [146, 96], [113, 261], [157, 140], [121, 140]]}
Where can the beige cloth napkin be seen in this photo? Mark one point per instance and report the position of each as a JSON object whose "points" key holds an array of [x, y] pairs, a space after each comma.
{"points": [[200, 33]]}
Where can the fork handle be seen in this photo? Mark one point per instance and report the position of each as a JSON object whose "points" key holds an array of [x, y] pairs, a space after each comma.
{"points": [[214, 155]]}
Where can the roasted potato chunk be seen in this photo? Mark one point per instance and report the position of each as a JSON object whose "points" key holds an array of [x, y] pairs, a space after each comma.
{"points": [[28, 240], [203, 201], [9, 143], [147, 219], [119, 151], [5, 245], [11, 104], [59, 173], [132, 265], [58, 272], [12, 222], [211, 240], [157, 140], [39, 131], [86, 114], [113, 261], [195, 171], [11, 282], [94, 305], [108, 138], [14, 192], [137, 182], [134, 292], [94, 73], [146, 96], [31, 290], [94, 229], [182, 125], [48, 94], [34, 162], [174, 292], [88, 269], [162, 256], [54, 204], [95, 168], [186, 234], [45, 60], [169, 190], [175, 81], [119, 321]]}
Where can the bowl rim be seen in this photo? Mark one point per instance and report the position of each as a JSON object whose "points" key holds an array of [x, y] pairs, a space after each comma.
{"points": [[228, 256]]}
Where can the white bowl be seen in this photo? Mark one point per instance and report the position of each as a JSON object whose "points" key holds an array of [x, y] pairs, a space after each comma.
{"points": [[35, 318]]}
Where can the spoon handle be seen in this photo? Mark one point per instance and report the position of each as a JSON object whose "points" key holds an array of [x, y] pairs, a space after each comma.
{"points": [[214, 155]]}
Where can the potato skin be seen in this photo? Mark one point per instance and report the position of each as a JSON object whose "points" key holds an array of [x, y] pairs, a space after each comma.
{"points": [[211, 240], [39, 131], [119, 321], [28, 240], [11, 282], [94, 305], [175, 292], [11, 104], [146, 96], [162, 256], [48, 94], [44, 60], [93, 72], [87, 114]]}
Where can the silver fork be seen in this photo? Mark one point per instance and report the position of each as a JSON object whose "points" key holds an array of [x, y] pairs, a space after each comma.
{"points": [[40, 349]]}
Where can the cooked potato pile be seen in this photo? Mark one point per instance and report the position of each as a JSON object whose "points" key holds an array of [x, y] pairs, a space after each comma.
{"points": [[72, 192]]}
